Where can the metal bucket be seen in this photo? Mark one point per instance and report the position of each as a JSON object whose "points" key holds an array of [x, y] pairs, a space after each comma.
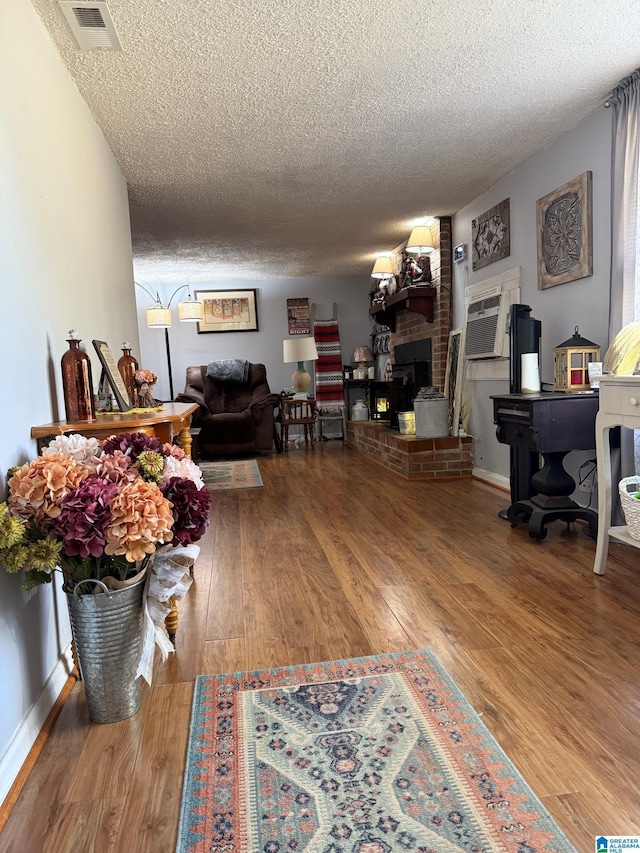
{"points": [[432, 413], [107, 629]]}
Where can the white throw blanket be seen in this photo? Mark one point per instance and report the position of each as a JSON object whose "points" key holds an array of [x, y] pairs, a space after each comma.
{"points": [[168, 577]]}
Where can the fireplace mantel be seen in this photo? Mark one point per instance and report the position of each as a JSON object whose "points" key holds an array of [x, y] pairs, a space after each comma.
{"points": [[415, 298]]}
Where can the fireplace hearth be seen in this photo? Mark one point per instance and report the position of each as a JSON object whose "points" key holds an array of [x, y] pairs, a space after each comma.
{"points": [[411, 371]]}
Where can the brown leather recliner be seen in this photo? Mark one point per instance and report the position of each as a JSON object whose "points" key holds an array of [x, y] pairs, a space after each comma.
{"points": [[234, 417]]}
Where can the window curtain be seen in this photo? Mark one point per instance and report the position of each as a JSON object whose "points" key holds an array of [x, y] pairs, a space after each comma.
{"points": [[625, 249], [625, 227]]}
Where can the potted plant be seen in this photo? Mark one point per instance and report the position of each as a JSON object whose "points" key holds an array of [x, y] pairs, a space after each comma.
{"points": [[104, 514]]}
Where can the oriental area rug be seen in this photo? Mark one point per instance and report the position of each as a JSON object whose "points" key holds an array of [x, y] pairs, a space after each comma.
{"points": [[368, 755], [236, 474]]}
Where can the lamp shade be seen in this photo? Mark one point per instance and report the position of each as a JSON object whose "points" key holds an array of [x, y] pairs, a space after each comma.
{"points": [[159, 317], [299, 349], [190, 311], [382, 268], [421, 240], [624, 351], [362, 354]]}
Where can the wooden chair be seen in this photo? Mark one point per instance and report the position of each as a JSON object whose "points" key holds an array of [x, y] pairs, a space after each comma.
{"points": [[303, 412]]}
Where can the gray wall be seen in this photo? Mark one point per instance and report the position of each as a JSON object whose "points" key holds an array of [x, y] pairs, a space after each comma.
{"points": [[584, 303], [65, 261], [264, 346]]}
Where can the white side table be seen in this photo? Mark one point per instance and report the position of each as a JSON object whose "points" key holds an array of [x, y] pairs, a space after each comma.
{"points": [[619, 406]]}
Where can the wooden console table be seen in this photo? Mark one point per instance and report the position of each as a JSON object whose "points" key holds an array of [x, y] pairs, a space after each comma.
{"points": [[174, 419], [553, 424], [619, 406]]}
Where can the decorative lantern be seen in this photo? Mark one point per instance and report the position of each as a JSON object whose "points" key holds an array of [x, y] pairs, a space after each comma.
{"points": [[571, 363]]}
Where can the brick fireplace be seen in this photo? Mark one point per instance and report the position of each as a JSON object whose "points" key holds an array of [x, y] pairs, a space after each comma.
{"points": [[413, 458], [411, 326], [421, 458]]}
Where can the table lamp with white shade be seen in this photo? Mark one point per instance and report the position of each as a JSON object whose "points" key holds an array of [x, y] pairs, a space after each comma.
{"points": [[300, 350], [362, 354]]}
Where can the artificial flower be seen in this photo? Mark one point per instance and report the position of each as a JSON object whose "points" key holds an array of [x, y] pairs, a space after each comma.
{"points": [[144, 375], [190, 508], [81, 448], [44, 554], [86, 508], [84, 515], [140, 517], [116, 467], [11, 528], [185, 468], [14, 558], [173, 450], [36, 489], [32, 550], [151, 465], [132, 444]]}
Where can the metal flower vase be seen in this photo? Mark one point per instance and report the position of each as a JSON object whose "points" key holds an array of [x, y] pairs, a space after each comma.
{"points": [[107, 630]]}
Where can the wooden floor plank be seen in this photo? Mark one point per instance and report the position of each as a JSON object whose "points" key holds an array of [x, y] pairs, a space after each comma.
{"points": [[336, 557], [149, 821]]}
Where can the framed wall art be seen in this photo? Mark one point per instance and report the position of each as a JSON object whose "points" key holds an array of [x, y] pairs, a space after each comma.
{"points": [[453, 378], [298, 317], [228, 310], [112, 375], [491, 235], [565, 242]]}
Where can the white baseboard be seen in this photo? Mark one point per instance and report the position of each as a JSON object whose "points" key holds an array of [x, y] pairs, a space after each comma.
{"points": [[493, 479], [26, 734]]}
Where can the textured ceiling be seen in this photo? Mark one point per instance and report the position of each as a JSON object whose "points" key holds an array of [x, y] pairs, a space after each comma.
{"points": [[301, 137]]}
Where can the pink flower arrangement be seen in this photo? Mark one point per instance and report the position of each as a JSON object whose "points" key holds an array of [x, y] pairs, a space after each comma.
{"points": [[144, 375], [98, 510]]}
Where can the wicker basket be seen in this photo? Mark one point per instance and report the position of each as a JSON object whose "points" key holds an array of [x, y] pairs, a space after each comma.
{"points": [[627, 488]]}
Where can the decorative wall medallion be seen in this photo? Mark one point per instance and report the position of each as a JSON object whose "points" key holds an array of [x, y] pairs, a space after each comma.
{"points": [[563, 217], [491, 235]]}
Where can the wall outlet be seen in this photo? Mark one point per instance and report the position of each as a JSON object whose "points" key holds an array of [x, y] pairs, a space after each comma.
{"points": [[587, 486]]}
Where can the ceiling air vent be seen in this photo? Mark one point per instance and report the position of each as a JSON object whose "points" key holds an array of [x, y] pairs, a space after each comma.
{"points": [[91, 24]]}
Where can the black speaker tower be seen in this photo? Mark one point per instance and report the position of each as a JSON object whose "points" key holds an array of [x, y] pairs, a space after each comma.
{"points": [[525, 335]]}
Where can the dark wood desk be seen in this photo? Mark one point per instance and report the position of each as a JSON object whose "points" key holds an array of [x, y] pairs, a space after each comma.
{"points": [[552, 424]]}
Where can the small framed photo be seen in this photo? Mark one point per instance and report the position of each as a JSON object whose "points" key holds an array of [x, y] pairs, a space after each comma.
{"points": [[228, 310], [112, 374]]}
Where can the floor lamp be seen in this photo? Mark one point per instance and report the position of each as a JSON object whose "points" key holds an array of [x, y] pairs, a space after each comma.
{"points": [[159, 317]]}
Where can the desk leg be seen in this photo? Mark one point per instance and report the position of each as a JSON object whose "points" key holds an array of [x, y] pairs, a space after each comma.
{"points": [[184, 440], [603, 457], [554, 485]]}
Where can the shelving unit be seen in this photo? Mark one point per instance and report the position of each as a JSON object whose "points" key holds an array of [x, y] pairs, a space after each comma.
{"points": [[373, 390], [418, 298]]}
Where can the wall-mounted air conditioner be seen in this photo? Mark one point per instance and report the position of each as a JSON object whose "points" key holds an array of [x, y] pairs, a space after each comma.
{"points": [[487, 315]]}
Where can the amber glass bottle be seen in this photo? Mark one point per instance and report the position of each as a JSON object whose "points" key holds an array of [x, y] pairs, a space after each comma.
{"points": [[76, 382], [127, 365]]}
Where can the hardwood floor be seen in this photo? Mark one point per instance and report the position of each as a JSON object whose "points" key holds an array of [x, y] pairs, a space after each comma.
{"points": [[336, 557]]}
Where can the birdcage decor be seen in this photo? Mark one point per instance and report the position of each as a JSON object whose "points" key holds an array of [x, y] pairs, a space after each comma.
{"points": [[571, 361]]}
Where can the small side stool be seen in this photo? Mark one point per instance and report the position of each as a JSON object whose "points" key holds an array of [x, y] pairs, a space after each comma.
{"points": [[301, 412]]}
